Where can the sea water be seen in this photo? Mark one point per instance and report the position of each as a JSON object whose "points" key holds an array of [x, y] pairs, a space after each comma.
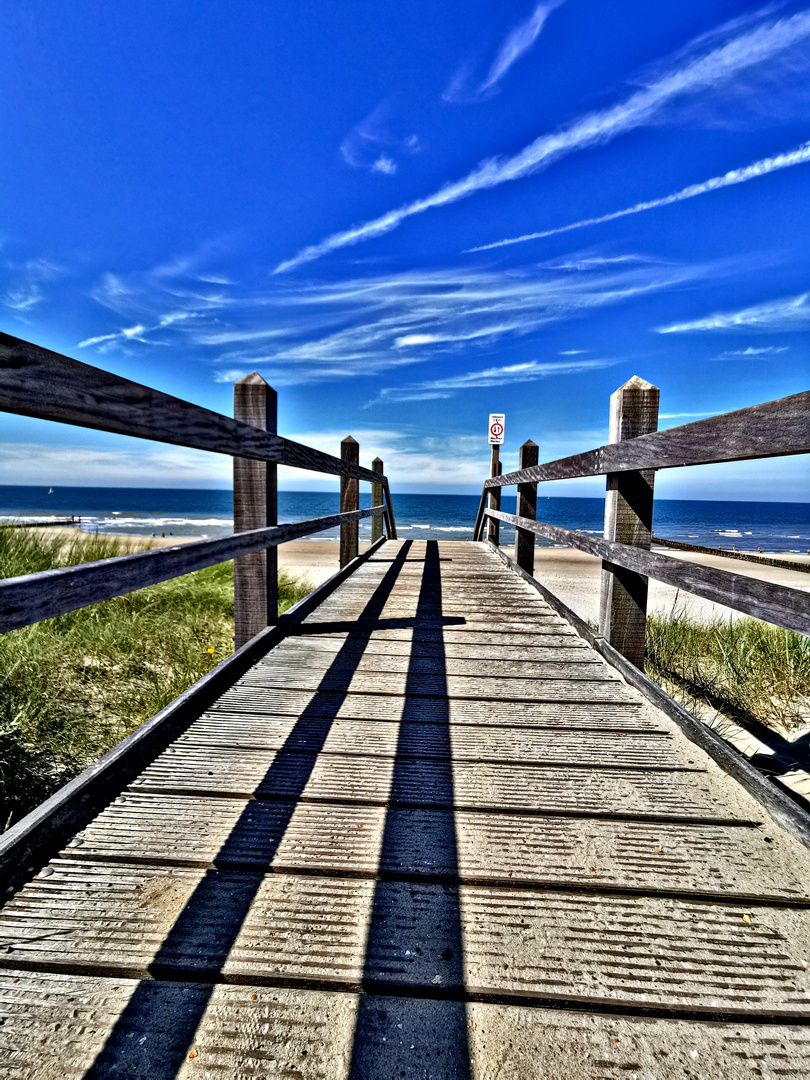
{"points": [[205, 514]]}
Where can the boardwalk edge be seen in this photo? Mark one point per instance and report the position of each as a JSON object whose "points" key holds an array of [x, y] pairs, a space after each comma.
{"points": [[36, 838], [784, 811]]}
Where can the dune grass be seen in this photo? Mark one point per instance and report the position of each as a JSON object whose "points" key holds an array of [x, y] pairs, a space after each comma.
{"points": [[743, 669], [72, 687]]}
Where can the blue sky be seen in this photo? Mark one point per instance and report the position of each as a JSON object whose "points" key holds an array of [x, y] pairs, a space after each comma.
{"points": [[406, 216]]}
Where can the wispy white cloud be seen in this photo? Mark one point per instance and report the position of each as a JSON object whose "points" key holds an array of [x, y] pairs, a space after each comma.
{"points": [[682, 415], [792, 313], [28, 277], [232, 375], [385, 165], [131, 333], [528, 371], [99, 339], [516, 43], [39, 463], [699, 71], [365, 325], [572, 352], [751, 353], [799, 156], [23, 297], [372, 144]]}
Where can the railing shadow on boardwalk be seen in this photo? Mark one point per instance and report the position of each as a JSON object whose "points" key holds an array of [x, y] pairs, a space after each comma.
{"points": [[212, 918], [415, 926]]}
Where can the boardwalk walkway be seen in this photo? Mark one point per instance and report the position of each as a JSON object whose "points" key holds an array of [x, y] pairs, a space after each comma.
{"points": [[431, 835]]}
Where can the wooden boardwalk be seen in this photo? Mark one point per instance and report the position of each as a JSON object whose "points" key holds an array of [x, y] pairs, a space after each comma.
{"points": [[433, 834]]}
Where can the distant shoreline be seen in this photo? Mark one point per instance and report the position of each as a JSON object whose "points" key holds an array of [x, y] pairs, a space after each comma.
{"points": [[573, 575]]}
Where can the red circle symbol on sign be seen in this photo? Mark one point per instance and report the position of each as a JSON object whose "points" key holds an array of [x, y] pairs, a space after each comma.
{"points": [[496, 430]]}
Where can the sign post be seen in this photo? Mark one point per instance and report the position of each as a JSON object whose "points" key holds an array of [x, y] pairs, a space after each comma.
{"points": [[497, 426]]}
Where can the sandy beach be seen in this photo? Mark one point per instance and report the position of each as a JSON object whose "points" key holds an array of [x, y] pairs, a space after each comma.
{"points": [[572, 575], [575, 578], [316, 560]]}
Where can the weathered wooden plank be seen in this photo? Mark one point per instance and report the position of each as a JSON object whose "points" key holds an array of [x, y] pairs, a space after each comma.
{"points": [[594, 690], [279, 929], [349, 501], [773, 429], [476, 786], [59, 1027], [585, 666], [255, 506], [628, 715], [779, 805], [777, 604], [493, 531], [37, 382], [389, 512], [508, 849], [526, 508], [549, 647], [628, 520], [29, 842], [34, 597], [377, 499], [239, 731], [452, 637]]}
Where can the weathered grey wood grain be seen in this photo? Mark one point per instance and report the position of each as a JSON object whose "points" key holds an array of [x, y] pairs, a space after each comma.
{"points": [[34, 597], [628, 520], [526, 508], [37, 382], [240, 730], [349, 502], [503, 848], [31, 841], [773, 429], [625, 716], [255, 506], [587, 667], [476, 786], [377, 498], [784, 810], [389, 512], [480, 520], [309, 930], [494, 527], [777, 604], [61, 1027]]}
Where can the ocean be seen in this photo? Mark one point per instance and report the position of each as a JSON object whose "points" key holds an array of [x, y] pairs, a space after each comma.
{"points": [[204, 514]]}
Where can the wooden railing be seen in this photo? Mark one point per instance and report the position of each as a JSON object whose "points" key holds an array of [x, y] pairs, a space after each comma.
{"points": [[635, 452], [40, 383]]}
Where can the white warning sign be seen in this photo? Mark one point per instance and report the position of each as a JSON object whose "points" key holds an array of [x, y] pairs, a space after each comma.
{"points": [[496, 428]]}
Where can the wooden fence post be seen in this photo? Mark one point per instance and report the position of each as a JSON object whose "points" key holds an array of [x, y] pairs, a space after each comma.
{"points": [[494, 527], [377, 500], [526, 507], [628, 520], [255, 505], [349, 500]]}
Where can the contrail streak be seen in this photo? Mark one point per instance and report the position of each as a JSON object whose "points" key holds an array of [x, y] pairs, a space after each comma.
{"points": [[799, 156], [700, 73]]}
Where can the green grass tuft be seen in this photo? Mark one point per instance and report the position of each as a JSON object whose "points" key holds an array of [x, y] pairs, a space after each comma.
{"points": [[744, 669], [73, 686]]}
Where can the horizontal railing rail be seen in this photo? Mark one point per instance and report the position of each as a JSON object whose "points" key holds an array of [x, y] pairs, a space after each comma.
{"points": [[630, 460], [40, 383], [777, 604], [34, 597], [43, 384], [776, 429]]}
